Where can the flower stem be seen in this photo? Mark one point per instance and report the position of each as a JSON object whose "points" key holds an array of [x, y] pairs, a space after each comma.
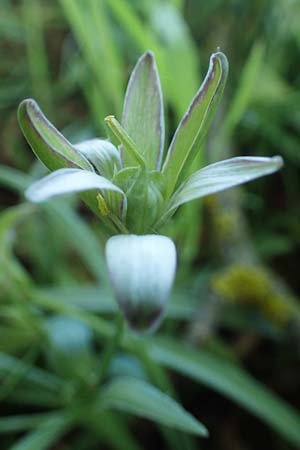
{"points": [[111, 348], [118, 223]]}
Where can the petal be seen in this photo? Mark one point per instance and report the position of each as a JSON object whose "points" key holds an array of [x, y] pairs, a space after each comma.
{"points": [[142, 271]]}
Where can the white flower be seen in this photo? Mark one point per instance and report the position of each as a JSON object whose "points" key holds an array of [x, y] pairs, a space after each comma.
{"points": [[142, 271]]}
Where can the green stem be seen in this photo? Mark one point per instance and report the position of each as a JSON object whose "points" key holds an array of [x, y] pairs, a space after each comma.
{"points": [[118, 223], [111, 348]]}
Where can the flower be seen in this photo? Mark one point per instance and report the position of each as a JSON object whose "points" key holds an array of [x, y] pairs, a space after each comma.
{"points": [[133, 188], [142, 270]]}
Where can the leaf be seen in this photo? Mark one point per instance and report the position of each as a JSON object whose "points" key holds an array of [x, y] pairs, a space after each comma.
{"points": [[79, 235], [231, 381], [114, 431], [87, 297], [72, 225], [10, 366], [143, 115], [49, 145], [246, 89], [15, 339], [102, 154], [35, 397], [10, 217], [66, 181], [142, 270], [179, 53], [91, 27], [14, 179], [140, 398], [95, 299], [138, 30], [19, 423], [194, 125], [223, 175], [35, 50], [45, 435]]}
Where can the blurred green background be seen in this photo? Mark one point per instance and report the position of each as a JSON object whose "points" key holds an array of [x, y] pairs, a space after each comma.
{"points": [[236, 301]]}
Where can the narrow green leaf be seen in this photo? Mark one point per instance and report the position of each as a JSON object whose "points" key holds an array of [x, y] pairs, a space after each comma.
{"points": [[19, 423], [88, 297], [10, 365], [14, 179], [194, 125], [19, 181], [49, 145], [66, 181], [246, 89], [95, 322], [96, 299], [13, 374], [223, 175], [140, 33], [79, 235], [35, 397], [33, 36], [230, 380], [16, 339], [91, 27], [45, 435], [10, 217], [178, 57], [140, 398], [143, 116], [142, 270], [114, 431]]}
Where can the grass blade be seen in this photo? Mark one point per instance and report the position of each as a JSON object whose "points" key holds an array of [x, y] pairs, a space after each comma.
{"points": [[231, 381]]}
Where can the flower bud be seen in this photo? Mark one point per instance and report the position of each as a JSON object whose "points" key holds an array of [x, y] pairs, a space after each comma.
{"points": [[102, 154], [142, 271]]}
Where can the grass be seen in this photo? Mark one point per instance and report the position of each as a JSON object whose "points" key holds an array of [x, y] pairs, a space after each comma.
{"points": [[75, 59]]}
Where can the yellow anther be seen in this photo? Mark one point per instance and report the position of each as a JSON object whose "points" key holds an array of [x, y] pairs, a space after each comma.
{"points": [[102, 205]]}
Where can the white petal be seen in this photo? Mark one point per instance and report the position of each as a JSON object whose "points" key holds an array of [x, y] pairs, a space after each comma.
{"points": [[142, 271]]}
